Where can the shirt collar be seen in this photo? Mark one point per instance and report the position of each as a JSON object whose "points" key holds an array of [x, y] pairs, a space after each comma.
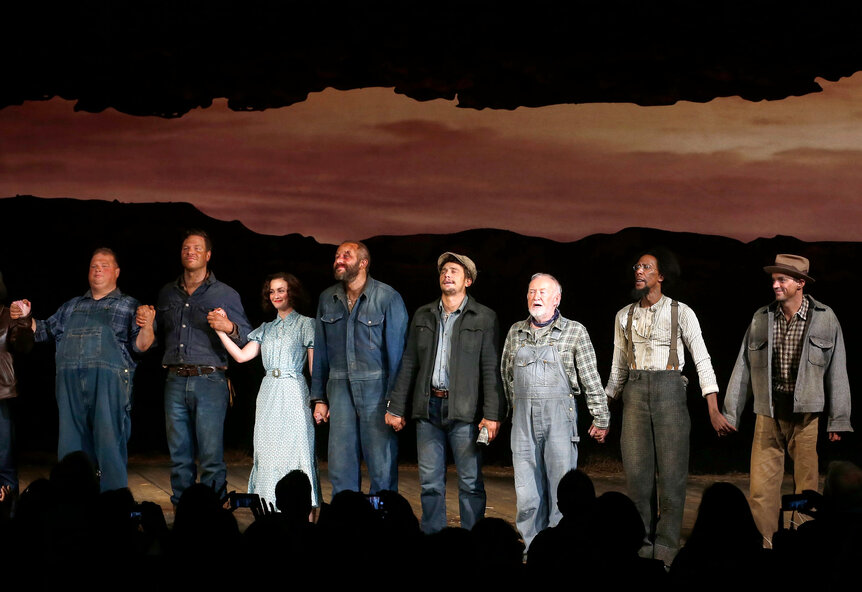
{"points": [[208, 280], [291, 316], [457, 311], [802, 313], [340, 292]]}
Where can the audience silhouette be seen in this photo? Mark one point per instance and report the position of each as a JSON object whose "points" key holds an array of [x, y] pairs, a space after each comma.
{"points": [[108, 539]]}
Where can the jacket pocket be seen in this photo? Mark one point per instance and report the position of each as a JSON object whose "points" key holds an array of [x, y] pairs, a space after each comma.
{"points": [[331, 317], [372, 334], [819, 350], [471, 340], [757, 354]]}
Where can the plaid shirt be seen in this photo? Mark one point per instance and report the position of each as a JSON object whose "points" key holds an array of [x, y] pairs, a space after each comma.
{"points": [[787, 347], [122, 309], [576, 354]]}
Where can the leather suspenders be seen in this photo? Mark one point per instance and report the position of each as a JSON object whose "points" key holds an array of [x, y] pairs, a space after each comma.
{"points": [[673, 356]]}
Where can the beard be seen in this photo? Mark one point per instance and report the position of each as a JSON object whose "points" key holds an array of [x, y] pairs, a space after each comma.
{"points": [[539, 312], [348, 274], [639, 294]]}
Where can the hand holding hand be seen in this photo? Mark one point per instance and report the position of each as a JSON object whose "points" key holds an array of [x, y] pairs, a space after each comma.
{"points": [[598, 433], [321, 412], [720, 424], [145, 315], [19, 309], [397, 423], [217, 318]]}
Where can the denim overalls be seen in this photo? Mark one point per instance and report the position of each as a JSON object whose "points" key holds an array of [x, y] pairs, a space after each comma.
{"points": [[94, 385], [544, 435]]}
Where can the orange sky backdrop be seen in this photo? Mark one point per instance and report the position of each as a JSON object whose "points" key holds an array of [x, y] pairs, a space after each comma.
{"points": [[370, 162]]}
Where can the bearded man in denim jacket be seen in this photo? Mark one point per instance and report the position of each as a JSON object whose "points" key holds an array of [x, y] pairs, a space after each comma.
{"points": [[793, 360], [358, 341]]}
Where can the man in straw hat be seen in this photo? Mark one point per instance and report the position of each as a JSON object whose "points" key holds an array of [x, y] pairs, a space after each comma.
{"points": [[793, 360], [448, 382]]}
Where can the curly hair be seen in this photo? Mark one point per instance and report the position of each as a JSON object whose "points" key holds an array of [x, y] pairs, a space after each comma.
{"points": [[296, 297]]}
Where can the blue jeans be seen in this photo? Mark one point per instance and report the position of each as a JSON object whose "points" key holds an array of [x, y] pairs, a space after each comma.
{"points": [[195, 408], [357, 429], [94, 406], [654, 443], [431, 437], [544, 448], [8, 473]]}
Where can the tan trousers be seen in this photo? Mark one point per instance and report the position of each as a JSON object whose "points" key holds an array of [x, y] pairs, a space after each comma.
{"points": [[798, 436]]}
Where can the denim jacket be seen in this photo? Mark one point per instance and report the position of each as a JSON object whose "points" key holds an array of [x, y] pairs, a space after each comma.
{"points": [[822, 369], [365, 344]]}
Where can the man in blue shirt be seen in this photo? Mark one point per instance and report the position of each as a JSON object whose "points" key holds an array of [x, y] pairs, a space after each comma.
{"points": [[196, 390], [358, 341], [97, 340]]}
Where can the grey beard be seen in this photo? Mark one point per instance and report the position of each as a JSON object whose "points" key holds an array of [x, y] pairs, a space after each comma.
{"points": [[639, 295]]}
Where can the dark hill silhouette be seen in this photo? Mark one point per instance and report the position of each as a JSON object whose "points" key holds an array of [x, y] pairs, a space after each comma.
{"points": [[47, 245]]}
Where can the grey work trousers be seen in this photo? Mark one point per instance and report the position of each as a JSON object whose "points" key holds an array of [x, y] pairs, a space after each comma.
{"points": [[655, 447]]}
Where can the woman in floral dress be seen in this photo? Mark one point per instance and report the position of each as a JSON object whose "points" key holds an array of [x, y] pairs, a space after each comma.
{"points": [[283, 426]]}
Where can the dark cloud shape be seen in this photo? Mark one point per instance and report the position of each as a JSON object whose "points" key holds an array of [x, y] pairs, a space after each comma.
{"points": [[166, 58]]}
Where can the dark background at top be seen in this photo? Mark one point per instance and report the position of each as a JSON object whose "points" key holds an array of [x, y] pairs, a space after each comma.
{"points": [[166, 58], [47, 245]]}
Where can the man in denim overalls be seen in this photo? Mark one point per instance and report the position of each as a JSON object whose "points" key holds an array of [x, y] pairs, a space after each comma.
{"points": [[96, 336], [546, 360]]}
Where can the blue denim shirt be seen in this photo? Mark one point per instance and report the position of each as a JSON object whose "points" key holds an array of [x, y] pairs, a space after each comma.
{"points": [[365, 344], [123, 309], [182, 321], [440, 375]]}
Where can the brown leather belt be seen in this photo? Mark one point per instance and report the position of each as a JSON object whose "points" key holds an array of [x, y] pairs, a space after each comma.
{"points": [[191, 370], [439, 394]]}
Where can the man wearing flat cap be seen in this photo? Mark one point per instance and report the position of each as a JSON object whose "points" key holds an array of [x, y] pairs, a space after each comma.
{"points": [[793, 360], [450, 385]]}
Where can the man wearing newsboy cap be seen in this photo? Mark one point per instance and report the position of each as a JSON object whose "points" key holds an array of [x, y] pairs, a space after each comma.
{"points": [[449, 384], [793, 360]]}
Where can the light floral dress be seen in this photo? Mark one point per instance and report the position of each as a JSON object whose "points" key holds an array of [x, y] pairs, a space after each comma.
{"points": [[283, 424]]}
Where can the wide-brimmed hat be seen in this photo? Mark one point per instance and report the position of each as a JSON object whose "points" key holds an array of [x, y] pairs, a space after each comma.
{"points": [[792, 265], [465, 261]]}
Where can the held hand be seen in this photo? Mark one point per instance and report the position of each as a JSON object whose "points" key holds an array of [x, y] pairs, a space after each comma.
{"points": [[493, 428], [321, 413], [217, 318], [834, 437], [720, 424], [598, 433], [144, 315], [396, 422], [19, 309]]}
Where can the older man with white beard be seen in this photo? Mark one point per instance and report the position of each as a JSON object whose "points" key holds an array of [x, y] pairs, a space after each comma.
{"points": [[547, 360]]}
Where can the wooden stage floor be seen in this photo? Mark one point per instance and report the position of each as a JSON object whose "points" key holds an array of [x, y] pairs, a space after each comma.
{"points": [[149, 480]]}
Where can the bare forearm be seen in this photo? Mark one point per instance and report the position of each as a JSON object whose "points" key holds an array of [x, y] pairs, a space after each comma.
{"points": [[249, 352]]}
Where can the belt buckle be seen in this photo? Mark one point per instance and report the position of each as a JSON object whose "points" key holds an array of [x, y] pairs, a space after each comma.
{"points": [[276, 372]]}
